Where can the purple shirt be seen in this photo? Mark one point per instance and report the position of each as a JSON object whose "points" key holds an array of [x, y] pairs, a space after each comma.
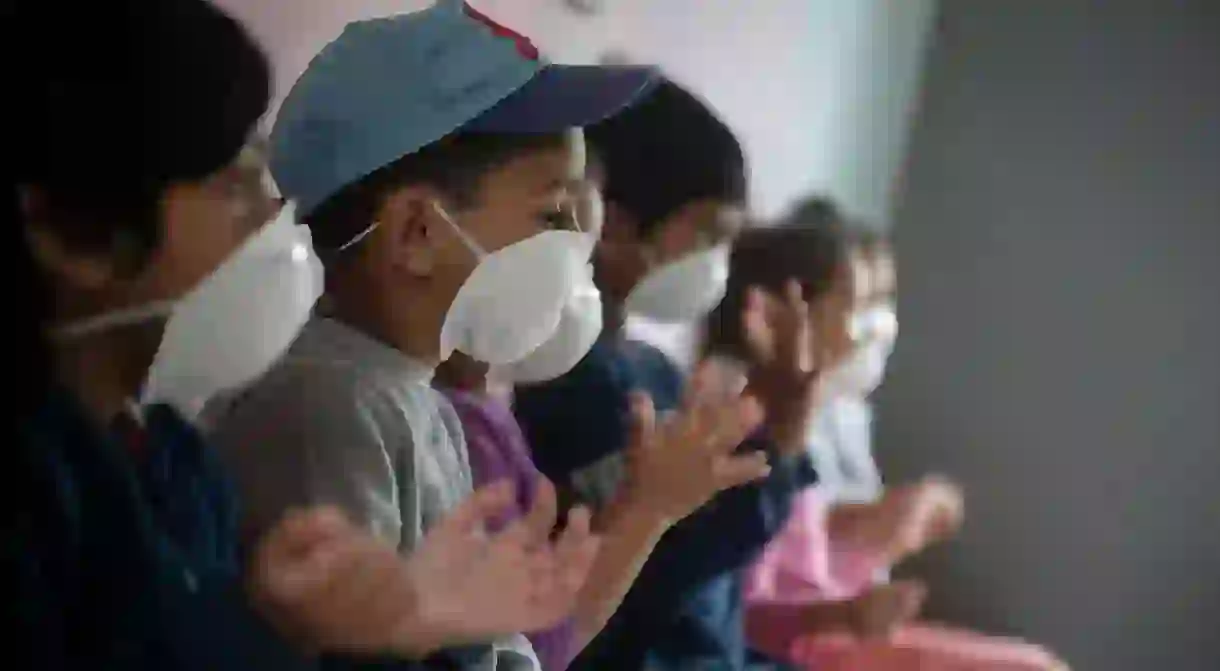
{"points": [[497, 451]]}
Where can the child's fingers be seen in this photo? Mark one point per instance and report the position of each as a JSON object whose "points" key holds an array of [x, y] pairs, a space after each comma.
{"points": [[306, 577], [830, 334], [540, 520], [472, 515], [701, 388], [731, 424], [734, 470], [577, 543], [643, 421], [350, 594], [299, 531], [758, 331]]}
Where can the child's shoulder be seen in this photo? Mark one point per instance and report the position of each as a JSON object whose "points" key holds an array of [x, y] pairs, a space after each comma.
{"points": [[655, 373]]}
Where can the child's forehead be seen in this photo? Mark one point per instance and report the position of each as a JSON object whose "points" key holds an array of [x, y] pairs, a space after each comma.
{"points": [[547, 169]]}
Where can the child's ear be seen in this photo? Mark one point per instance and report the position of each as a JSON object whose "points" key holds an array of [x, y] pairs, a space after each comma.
{"points": [[618, 226], [52, 253], [409, 224]]}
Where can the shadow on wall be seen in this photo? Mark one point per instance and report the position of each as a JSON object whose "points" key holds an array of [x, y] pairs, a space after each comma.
{"points": [[1058, 239]]}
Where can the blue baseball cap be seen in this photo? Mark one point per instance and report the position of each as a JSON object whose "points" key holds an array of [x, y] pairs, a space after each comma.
{"points": [[388, 87]]}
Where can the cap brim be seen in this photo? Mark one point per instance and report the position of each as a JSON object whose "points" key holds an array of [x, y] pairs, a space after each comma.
{"points": [[566, 96]]}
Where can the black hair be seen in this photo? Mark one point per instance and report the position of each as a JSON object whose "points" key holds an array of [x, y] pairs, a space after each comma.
{"points": [[872, 241], [109, 106], [811, 245], [664, 152], [455, 165]]}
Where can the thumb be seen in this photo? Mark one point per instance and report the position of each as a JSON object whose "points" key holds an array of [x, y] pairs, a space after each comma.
{"points": [[643, 421], [535, 527], [913, 594], [738, 469], [472, 515], [300, 532], [755, 326]]}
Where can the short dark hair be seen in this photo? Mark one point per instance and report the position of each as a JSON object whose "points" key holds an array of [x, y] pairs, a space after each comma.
{"points": [[455, 165], [666, 151], [870, 240], [108, 108], [810, 246]]}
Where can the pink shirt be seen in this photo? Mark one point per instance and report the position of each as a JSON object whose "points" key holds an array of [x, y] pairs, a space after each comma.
{"points": [[801, 565]]}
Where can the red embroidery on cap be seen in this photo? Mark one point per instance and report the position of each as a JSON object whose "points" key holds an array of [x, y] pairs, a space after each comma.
{"points": [[524, 46]]}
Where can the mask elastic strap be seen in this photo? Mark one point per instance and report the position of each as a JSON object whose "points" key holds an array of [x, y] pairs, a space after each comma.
{"points": [[105, 322], [359, 236], [462, 235], [466, 239], [136, 411]]}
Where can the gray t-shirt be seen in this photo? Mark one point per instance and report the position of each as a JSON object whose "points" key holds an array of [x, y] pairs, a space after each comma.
{"points": [[345, 420]]}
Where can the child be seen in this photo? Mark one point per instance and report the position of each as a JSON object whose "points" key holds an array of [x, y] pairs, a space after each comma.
{"points": [[433, 156], [155, 272], [848, 528], [674, 180], [670, 478]]}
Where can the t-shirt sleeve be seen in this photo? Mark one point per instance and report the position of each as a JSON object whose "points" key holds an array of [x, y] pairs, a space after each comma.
{"points": [[310, 436], [496, 450]]}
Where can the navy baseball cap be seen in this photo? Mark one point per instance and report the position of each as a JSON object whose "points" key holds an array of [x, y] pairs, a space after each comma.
{"points": [[388, 87]]}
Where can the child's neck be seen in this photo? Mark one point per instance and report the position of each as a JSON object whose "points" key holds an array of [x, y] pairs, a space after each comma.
{"points": [[108, 370], [413, 331], [614, 318]]}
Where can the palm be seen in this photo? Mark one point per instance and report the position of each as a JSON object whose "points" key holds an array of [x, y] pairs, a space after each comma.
{"points": [[929, 511], [679, 466], [337, 587], [534, 580], [334, 586], [790, 341]]}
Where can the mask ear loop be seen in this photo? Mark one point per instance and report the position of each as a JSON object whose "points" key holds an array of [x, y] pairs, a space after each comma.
{"points": [[462, 235], [135, 411], [576, 220], [359, 236], [465, 238], [115, 319]]}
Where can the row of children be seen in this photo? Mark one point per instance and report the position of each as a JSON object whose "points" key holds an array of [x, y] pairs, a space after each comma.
{"points": [[451, 210]]}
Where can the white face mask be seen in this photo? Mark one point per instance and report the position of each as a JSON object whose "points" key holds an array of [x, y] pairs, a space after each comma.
{"points": [[235, 324], [874, 331], [591, 209], [581, 321], [579, 326], [513, 300], [682, 291]]}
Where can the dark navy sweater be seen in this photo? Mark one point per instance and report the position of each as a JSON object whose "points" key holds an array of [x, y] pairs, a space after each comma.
{"points": [[123, 554], [684, 611]]}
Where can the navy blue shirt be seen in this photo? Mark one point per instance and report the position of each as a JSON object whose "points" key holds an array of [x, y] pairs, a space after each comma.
{"points": [[684, 610], [123, 554]]}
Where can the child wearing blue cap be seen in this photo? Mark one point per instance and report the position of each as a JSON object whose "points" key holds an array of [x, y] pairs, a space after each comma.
{"points": [[433, 156]]}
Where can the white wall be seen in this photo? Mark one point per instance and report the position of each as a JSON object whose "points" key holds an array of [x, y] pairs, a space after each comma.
{"points": [[817, 89]]}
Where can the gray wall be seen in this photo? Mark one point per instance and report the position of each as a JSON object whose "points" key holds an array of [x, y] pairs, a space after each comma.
{"points": [[1059, 236]]}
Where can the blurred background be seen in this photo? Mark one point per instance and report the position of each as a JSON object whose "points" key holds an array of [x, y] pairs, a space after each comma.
{"points": [[1049, 170]]}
